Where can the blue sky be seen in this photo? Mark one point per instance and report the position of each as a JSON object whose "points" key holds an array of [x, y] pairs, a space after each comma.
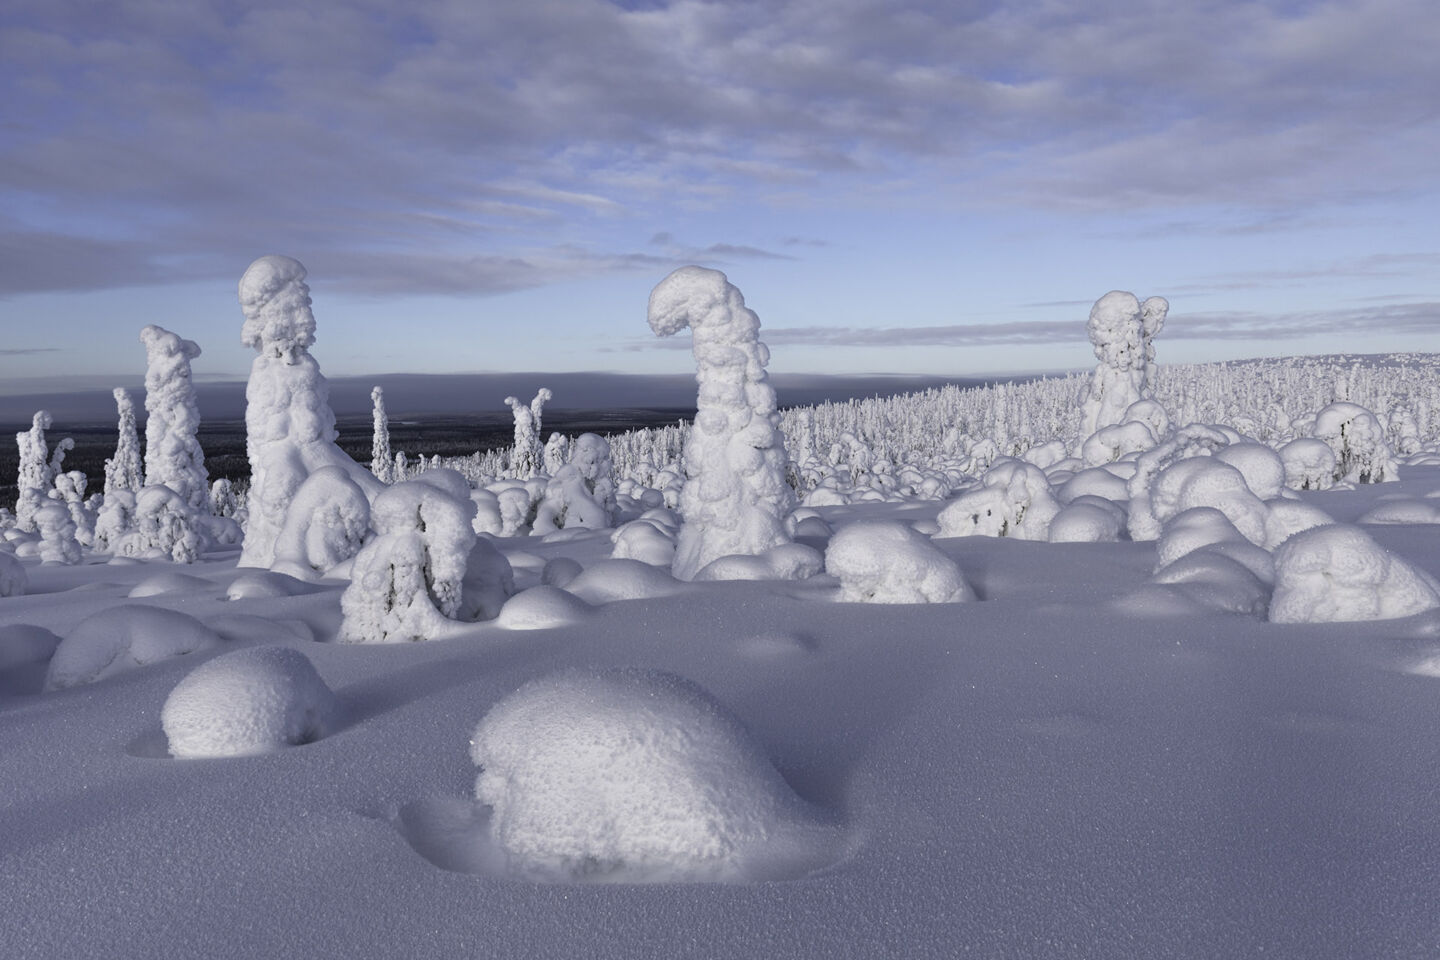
{"points": [[936, 188]]}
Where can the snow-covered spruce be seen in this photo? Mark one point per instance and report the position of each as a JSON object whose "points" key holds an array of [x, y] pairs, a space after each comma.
{"points": [[1354, 435], [1309, 464], [632, 776], [124, 638], [382, 462], [1339, 573], [172, 452], [289, 426], [165, 526], [735, 497], [526, 456], [1013, 500], [1117, 333], [57, 534], [246, 702], [884, 561], [1152, 320], [35, 476], [424, 572]]}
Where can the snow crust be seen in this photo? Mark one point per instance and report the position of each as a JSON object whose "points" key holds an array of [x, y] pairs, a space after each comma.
{"points": [[246, 702]]}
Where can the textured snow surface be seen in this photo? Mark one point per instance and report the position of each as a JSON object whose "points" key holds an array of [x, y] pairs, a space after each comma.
{"points": [[123, 638], [246, 702], [1047, 772]]}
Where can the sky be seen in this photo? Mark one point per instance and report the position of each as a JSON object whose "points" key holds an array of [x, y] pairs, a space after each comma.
{"points": [[483, 186]]}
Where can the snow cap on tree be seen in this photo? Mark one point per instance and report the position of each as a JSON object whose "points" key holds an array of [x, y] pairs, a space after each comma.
{"points": [[735, 498], [276, 303]]}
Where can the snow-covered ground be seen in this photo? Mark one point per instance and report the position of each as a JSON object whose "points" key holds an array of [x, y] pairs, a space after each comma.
{"points": [[1073, 764]]}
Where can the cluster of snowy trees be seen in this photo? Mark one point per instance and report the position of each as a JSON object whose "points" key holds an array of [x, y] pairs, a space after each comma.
{"points": [[1201, 455]]}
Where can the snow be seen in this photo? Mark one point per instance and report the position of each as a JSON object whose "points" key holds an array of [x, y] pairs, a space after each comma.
{"points": [[248, 702], [886, 562], [631, 776], [1118, 748]]}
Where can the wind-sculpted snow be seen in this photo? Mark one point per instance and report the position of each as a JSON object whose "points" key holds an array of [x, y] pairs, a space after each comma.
{"points": [[887, 562], [124, 638], [735, 496], [1339, 573], [247, 702], [325, 525], [633, 776]]}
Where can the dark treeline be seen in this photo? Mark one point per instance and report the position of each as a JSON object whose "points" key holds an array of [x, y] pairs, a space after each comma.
{"points": [[223, 441]]}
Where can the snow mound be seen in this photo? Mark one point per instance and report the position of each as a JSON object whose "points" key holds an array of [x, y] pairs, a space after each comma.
{"points": [[633, 776], [541, 608], [248, 702], [788, 561], [1288, 517], [263, 585], [559, 571], [13, 579], [644, 541], [167, 583], [1262, 468], [25, 643], [123, 638], [1216, 582], [1402, 510], [1337, 573], [881, 561], [609, 580], [1088, 519]]}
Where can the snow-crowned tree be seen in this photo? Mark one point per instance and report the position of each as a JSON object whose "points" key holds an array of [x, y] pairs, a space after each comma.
{"points": [[526, 457], [122, 472], [57, 534], [172, 452], [381, 462], [289, 426], [557, 453], [1118, 336], [36, 476], [1152, 319], [70, 490], [735, 497], [581, 493]]}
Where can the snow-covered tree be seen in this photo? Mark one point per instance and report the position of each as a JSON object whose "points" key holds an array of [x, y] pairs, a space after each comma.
{"points": [[289, 426], [735, 497], [526, 456], [57, 534], [581, 493], [172, 452], [557, 453], [36, 476], [122, 471], [1152, 319], [1117, 333], [382, 464]]}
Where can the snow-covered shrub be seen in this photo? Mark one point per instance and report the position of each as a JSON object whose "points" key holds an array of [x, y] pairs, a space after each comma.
{"points": [[629, 775], [411, 581], [246, 702], [1262, 467], [609, 580], [1309, 464], [172, 452], [123, 638], [787, 561], [57, 534], [1194, 440], [13, 579], [1208, 482], [582, 493], [556, 453], [735, 497], [1288, 517], [70, 490], [645, 541], [884, 561], [1192, 529], [1013, 500], [1117, 333], [1092, 482], [1362, 454], [325, 526], [289, 426], [1110, 443], [165, 525], [1402, 510], [1087, 519], [1339, 573], [35, 476], [382, 462]]}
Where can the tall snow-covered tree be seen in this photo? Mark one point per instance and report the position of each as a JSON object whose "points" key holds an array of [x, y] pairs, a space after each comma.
{"points": [[1118, 336], [381, 462], [36, 476], [122, 471], [527, 457], [172, 451], [289, 426], [735, 497]]}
